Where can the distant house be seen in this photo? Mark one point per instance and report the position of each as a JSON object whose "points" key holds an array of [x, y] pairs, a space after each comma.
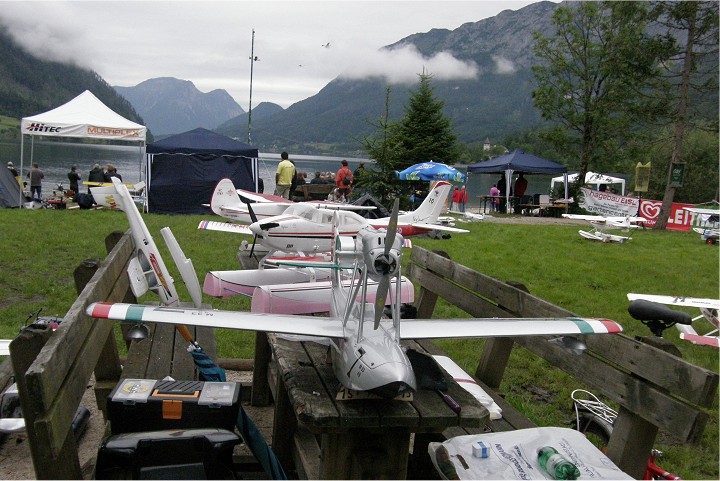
{"points": [[486, 145]]}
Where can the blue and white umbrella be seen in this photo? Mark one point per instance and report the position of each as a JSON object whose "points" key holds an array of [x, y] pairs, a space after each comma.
{"points": [[430, 171]]}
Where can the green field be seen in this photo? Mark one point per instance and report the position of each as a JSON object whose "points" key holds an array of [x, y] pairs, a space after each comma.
{"points": [[40, 249]]}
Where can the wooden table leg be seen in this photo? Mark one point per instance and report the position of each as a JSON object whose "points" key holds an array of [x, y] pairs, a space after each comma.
{"points": [[364, 454]]}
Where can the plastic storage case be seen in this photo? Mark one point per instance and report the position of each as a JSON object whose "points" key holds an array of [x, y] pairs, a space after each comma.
{"points": [[137, 405]]}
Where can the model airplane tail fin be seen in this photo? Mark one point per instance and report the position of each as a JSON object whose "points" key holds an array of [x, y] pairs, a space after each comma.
{"points": [[184, 265], [223, 196], [431, 207]]}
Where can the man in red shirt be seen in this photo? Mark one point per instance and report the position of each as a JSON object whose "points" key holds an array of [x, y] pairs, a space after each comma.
{"points": [[343, 180]]}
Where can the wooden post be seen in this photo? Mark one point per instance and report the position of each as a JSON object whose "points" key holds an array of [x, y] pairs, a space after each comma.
{"points": [[261, 395], [630, 443], [66, 465]]}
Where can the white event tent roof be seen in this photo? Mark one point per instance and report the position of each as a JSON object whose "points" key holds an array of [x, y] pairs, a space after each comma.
{"points": [[592, 178], [85, 116]]}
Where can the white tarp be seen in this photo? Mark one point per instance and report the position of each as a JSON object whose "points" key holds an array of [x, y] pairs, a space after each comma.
{"points": [[592, 178]]}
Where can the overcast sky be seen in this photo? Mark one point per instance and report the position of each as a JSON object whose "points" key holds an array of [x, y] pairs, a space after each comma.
{"points": [[300, 45]]}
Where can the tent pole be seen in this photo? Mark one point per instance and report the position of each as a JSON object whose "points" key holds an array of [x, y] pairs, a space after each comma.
{"points": [[22, 146]]}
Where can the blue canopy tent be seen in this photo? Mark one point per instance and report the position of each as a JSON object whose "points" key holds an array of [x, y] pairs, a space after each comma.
{"points": [[183, 170], [518, 161]]}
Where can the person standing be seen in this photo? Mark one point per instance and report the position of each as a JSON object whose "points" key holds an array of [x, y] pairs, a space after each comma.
{"points": [[36, 176], [521, 185], [110, 172], [462, 198], [284, 176], [343, 180], [96, 175], [74, 177], [494, 198]]}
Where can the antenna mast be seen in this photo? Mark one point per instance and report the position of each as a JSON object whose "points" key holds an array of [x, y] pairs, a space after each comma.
{"points": [[253, 58]]}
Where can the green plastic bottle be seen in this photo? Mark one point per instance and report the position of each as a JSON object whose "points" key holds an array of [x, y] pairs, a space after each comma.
{"points": [[556, 465]]}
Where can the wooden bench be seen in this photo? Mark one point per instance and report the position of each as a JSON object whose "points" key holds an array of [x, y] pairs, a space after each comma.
{"points": [[654, 389], [52, 369], [312, 191]]}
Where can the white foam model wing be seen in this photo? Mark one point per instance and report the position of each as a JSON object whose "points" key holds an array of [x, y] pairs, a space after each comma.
{"points": [[5, 347], [678, 300], [329, 327], [224, 227]]}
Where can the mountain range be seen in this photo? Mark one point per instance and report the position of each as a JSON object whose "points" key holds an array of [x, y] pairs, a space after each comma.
{"points": [[172, 106], [494, 103]]}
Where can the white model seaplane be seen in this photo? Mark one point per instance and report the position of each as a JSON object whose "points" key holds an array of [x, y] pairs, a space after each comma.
{"points": [[709, 219], [232, 204], [602, 224], [365, 348], [708, 310], [308, 231]]}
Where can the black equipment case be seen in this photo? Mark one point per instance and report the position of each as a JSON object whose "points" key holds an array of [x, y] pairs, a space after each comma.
{"points": [[148, 405]]}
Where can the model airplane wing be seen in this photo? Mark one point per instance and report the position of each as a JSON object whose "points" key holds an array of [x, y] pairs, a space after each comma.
{"points": [[698, 210], [698, 339], [497, 327], [440, 227], [329, 327], [224, 227], [251, 321], [678, 300]]}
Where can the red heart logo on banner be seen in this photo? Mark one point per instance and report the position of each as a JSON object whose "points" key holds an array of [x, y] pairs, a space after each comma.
{"points": [[649, 210]]}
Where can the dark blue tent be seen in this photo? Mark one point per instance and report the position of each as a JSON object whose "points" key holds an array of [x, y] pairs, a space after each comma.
{"points": [[517, 161], [183, 170]]}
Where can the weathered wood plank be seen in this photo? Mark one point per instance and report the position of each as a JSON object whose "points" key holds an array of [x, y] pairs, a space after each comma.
{"points": [[631, 441], [137, 359], [159, 363], [646, 400], [306, 454], [55, 360]]}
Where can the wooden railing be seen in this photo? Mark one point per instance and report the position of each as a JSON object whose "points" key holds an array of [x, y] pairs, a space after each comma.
{"points": [[654, 389]]}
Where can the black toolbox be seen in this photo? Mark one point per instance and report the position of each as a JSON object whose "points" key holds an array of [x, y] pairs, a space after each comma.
{"points": [[137, 405]]}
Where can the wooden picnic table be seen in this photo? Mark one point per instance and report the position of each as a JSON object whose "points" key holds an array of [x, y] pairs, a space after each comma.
{"points": [[358, 439]]}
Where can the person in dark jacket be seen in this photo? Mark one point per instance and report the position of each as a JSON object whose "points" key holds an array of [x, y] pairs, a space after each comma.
{"points": [[96, 175], [74, 177], [110, 172]]}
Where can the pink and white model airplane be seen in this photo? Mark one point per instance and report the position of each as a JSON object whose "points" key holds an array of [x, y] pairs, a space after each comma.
{"points": [[365, 347]]}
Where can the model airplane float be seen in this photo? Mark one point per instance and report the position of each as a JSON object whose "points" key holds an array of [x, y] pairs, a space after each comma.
{"points": [[602, 224], [708, 311], [710, 219], [307, 230], [365, 347]]}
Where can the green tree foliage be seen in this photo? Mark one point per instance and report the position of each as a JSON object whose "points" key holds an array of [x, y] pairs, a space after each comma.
{"points": [[422, 135], [594, 76]]}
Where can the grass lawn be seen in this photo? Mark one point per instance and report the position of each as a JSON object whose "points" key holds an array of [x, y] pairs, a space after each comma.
{"points": [[40, 249]]}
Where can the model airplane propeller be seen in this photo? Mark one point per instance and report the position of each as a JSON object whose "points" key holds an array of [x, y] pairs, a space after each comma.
{"points": [[363, 359]]}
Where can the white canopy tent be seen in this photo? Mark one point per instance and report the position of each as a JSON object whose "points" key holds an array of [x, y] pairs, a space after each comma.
{"points": [[592, 178], [85, 116]]}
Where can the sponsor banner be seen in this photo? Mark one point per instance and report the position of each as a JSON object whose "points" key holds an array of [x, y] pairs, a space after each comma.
{"points": [[679, 219], [82, 130], [608, 204]]}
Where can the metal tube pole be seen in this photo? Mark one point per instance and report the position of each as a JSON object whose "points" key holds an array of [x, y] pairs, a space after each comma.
{"points": [[252, 63]]}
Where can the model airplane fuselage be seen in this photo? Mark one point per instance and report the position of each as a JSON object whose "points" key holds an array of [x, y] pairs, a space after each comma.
{"points": [[365, 347]]}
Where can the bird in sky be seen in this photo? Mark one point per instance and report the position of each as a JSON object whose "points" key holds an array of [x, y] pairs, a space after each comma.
{"points": [[327, 45]]}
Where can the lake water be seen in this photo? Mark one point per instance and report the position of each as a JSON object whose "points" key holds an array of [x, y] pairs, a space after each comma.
{"points": [[56, 158]]}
